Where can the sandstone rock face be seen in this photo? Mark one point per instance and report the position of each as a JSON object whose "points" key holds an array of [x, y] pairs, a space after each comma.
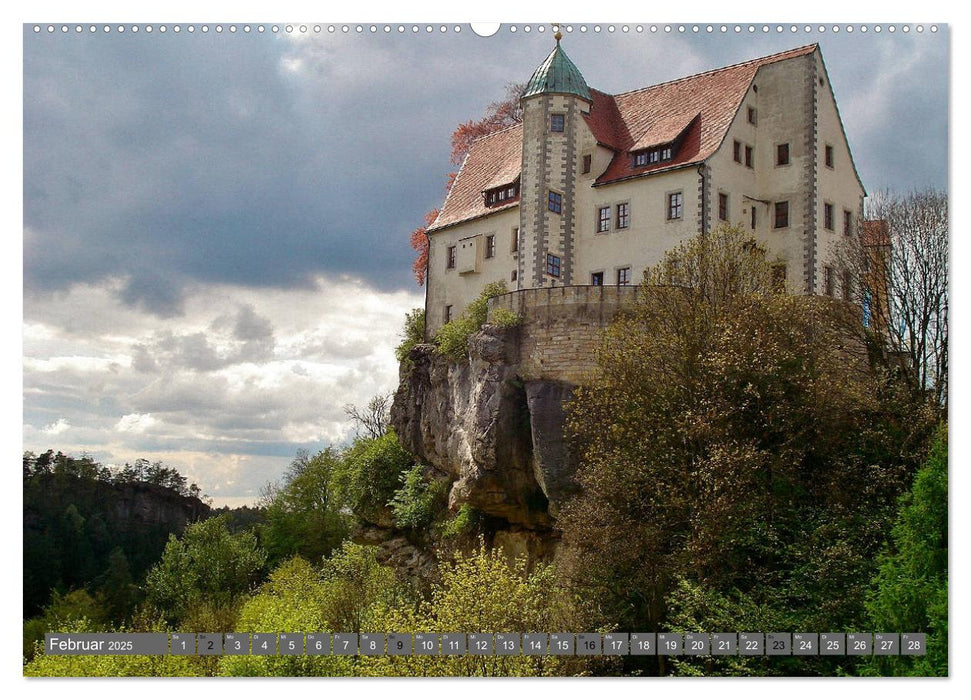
{"points": [[498, 437]]}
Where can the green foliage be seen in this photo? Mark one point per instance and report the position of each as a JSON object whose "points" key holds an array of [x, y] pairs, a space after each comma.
{"points": [[911, 586], [453, 338], [302, 513], [77, 518], [110, 665], [504, 318], [63, 612], [463, 523], [341, 597], [737, 439], [206, 573], [368, 474], [415, 503], [412, 335], [485, 592]]}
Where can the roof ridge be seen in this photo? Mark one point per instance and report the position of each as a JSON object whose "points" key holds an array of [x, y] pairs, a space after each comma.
{"points": [[493, 133], [760, 59], [448, 194]]}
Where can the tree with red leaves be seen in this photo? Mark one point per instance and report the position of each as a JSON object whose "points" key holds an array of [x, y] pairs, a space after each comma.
{"points": [[500, 115]]}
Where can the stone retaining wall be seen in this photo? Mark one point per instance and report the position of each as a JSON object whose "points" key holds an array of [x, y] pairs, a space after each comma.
{"points": [[561, 327]]}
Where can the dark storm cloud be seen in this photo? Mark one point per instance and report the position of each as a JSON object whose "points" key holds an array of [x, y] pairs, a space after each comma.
{"points": [[262, 160], [254, 160]]}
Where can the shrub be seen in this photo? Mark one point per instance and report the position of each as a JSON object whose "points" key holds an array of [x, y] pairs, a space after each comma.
{"points": [[453, 338], [463, 523], [369, 474], [504, 318], [412, 334], [414, 503]]}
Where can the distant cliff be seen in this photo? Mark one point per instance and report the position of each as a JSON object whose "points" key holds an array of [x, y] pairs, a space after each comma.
{"points": [[72, 524]]}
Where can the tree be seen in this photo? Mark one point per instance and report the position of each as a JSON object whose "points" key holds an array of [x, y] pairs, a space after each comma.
{"points": [[368, 475], [302, 513], [735, 438], [373, 418], [911, 586], [208, 568], [899, 275], [499, 115]]}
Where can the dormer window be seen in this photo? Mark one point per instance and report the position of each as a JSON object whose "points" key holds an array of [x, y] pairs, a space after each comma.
{"points": [[653, 155], [501, 195]]}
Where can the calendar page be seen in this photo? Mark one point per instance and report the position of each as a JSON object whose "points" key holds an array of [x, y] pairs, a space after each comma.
{"points": [[396, 349]]}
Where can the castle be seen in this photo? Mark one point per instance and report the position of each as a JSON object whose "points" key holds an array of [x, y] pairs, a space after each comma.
{"points": [[590, 189]]}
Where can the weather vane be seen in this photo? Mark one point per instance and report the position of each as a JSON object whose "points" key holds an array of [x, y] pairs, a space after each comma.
{"points": [[557, 35]]}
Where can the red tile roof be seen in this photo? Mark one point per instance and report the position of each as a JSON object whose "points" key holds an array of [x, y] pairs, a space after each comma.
{"points": [[698, 109], [492, 161]]}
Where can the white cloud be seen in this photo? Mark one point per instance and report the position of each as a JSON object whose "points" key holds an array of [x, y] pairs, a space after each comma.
{"points": [[57, 427], [135, 423], [226, 393]]}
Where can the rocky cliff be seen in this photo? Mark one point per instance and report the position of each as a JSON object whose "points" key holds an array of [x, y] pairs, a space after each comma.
{"points": [[498, 436]]}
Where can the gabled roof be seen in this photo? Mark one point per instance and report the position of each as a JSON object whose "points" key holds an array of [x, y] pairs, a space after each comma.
{"points": [[659, 114], [697, 110], [492, 161]]}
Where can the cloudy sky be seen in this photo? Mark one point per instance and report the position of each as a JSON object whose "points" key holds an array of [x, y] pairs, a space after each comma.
{"points": [[215, 227]]}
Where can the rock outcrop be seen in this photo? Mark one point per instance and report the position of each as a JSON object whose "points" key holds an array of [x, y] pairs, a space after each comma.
{"points": [[498, 437]]}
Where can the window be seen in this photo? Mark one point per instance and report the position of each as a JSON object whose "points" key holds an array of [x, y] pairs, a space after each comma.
{"points": [[828, 216], [555, 203], [623, 276], [752, 115], [586, 163], [450, 257], [552, 265], [496, 196], [515, 240], [847, 222], [597, 279], [490, 251], [623, 215], [603, 222], [754, 218], [737, 151], [557, 121], [448, 313], [749, 157], [675, 205], [847, 285], [779, 278], [782, 154], [723, 206], [829, 156], [828, 281], [654, 155], [781, 214], [514, 276]]}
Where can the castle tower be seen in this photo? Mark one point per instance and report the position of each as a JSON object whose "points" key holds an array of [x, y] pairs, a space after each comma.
{"points": [[552, 103]]}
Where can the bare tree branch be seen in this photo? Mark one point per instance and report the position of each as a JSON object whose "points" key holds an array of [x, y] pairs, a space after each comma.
{"points": [[374, 419], [898, 265]]}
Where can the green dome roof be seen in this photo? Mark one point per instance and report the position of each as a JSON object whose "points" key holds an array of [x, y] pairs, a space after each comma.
{"points": [[557, 74]]}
